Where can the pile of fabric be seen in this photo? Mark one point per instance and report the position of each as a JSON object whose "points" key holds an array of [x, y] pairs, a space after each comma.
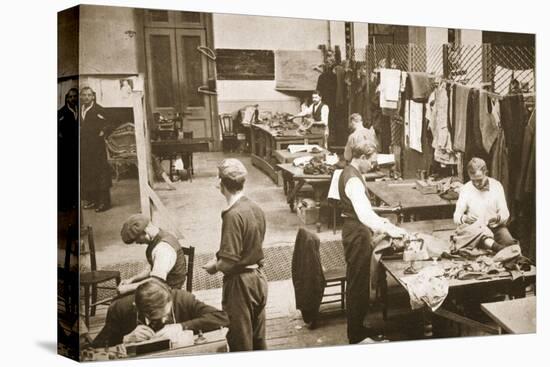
{"points": [[429, 287], [317, 166]]}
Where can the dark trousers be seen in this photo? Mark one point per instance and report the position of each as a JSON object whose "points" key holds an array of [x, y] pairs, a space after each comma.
{"points": [[244, 297], [503, 236], [357, 242]]}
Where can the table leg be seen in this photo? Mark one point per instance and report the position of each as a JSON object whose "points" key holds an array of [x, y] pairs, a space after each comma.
{"points": [[292, 195], [383, 286], [427, 321], [317, 194]]}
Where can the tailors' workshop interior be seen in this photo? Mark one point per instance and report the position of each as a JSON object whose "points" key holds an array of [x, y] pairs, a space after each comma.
{"points": [[342, 182]]}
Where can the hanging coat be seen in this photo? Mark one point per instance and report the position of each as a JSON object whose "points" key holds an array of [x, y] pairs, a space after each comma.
{"points": [[307, 275]]}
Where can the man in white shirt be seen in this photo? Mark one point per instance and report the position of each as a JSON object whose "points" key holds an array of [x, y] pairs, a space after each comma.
{"points": [[318, 111], [164, 254], [360, 221], [359, 134], [482, 200]]}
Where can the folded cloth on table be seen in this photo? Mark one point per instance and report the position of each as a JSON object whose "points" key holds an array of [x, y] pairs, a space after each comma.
{"points": [[301, 160], [429, 287]]}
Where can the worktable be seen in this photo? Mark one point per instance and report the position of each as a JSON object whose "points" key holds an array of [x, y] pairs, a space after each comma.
{"points": [[212, 342], [459, 290], [515, 316], [171, 149], [266, 140], [284, 156], [405, 195]]}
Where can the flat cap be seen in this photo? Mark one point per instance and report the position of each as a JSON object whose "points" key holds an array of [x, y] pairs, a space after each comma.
{"points": [[133, 227], [233, 169]]}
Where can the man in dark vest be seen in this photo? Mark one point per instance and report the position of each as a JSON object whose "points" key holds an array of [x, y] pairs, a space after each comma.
{"points": [[67, 152], [318, 112], [360, 221], [164, 254]]}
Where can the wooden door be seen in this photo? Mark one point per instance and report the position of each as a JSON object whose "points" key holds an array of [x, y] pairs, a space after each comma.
{"points": [[162, 71], [192, 76]]}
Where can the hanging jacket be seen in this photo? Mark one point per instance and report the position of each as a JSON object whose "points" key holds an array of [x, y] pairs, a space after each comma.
{"points": [[307, 275]]}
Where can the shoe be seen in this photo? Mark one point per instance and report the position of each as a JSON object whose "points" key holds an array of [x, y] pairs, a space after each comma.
{"points": [[88, 206], [102, 208]]}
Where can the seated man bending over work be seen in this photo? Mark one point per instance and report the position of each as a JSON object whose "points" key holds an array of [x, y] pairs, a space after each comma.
{"points": [[360, 221], [156, 311], [164, 254], [359, 134], [482, 201]]}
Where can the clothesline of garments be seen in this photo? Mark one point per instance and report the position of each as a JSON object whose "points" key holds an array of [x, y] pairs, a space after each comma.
{"points": [[463, 120]]}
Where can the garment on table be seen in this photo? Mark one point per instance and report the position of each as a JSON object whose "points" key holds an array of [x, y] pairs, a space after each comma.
{"points": [[429, 287], [390, 86], [470, 236], [421, 86], [95, 172], [307, 275], [438, 115], [499, 164], [192, 314], [488, 124], [460, 117], [244, 297], [177, 274], [340, 84], [360, 135]]}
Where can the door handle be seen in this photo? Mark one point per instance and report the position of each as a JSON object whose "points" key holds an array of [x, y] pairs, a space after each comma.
{"points": [[204, 90], [207, 52]]}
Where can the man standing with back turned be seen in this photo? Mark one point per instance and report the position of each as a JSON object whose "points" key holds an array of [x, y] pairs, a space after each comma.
{"points": [[240, 259]]}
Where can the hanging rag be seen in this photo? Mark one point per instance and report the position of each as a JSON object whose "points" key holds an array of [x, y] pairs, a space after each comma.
{"points": [[487, 121], [415, 125], [390, 85], [527, 171], [340, 84], [421, 86], [439, 125], [460, 121]]}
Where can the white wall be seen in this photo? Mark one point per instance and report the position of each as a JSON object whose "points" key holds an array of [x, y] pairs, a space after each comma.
{"points": [[470, 37], [338, 36], [360, 39], [435, 38], [263, 33]]}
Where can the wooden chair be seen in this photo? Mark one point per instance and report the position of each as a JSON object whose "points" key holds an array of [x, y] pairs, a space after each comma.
{"points": [[92, 280], [67, 279], [229, 135], [190, 253], [335, 277]]}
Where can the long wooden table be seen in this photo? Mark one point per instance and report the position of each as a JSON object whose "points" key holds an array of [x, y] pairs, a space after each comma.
{"points": [[459, 290], [405, 195], [265, 141], [516, 316], [284, 156], [212, 342], [171, 149]]}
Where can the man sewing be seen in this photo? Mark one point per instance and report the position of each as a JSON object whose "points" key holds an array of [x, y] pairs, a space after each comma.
{"points": [[482, 201], [240, 259], [156, 311], [164, 254], [359, 134], [360, 221], [318, 112]]}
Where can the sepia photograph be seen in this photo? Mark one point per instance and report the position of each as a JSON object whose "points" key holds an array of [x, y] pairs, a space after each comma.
{"points": [[236, 182]]}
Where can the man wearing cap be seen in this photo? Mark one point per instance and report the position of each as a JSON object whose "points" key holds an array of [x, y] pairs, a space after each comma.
{"points": [[240, 259], [164, 254], [156, 311]]}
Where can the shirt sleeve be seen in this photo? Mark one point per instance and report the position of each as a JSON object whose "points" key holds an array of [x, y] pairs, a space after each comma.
{"points": [[164, 259], [308, 110], [231, 245], [355, 191], [502, 207], [461, 205], [200, 316], [324, 115]]}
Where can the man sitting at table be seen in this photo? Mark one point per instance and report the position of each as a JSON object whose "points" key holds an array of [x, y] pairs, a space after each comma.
{"points": [[481, 211], [156, 311], [359, 134], [164, 254]]}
